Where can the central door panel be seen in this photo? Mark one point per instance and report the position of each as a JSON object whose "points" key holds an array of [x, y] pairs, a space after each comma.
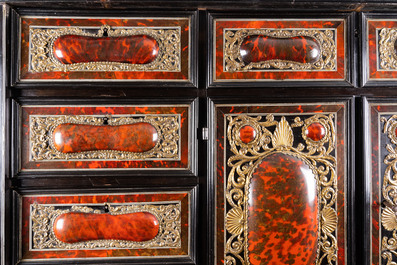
{"points": [[280, 192]]}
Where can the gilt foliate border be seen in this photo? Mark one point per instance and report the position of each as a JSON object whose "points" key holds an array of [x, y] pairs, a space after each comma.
{"points": [[389, 193], [233, 39], [42, 147], [42, 58], [386, 52], [43, 217], [274, 134]]}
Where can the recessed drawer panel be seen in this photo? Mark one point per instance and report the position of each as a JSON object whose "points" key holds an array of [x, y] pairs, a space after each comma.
{"points": [[280, 190], [247, 50], [381, 49], [88, 226], [106, 137], [95, 49]]}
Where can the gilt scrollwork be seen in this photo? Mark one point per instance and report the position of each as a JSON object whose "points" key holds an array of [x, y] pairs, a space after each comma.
{"points": [[389, 193], [233, 39], [276, 135], [386, 49], [43, 218], [42, 147], [42, 58]]}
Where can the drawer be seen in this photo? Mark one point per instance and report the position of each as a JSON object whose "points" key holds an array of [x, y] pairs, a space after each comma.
{"points": [[139, 137], [100, 49], [280, 183], [268, 50], [89, 226], [379, 49]]}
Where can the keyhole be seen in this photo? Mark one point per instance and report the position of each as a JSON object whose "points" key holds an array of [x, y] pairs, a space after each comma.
{"points": [[105, 32], [106, 208]]}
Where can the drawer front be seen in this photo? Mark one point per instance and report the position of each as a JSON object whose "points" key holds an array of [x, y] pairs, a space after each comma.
{"points": [[280, 192], [247, 50], [97, 49], [106, 137], [88, 226], [381, 52]]}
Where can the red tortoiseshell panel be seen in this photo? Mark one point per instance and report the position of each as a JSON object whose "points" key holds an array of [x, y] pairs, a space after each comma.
{"points": [[184, 161], [220, 75], [373, 46], [77, 227], [286, 232], [37, 22], [71, 138], [138, 49], [257, 48], [68, 200], [269, 186]]}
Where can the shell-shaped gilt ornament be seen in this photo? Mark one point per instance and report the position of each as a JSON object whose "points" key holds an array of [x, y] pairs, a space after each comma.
{"points": [[329, 220], [283, 135], [389, 219], [235, 221]]}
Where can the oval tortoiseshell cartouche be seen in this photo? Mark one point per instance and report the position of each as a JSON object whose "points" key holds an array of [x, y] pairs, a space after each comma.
{"points": [[72, 138], [259, 48], [75, 227], [282, 212], [136, 49]]}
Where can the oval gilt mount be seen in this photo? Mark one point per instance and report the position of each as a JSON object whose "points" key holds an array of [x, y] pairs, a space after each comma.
{"points": [[71, 49], [279, 49], [113, 226]]}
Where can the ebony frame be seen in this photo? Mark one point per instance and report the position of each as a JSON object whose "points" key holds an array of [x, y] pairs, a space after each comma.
{"points": [[3, 138]]}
